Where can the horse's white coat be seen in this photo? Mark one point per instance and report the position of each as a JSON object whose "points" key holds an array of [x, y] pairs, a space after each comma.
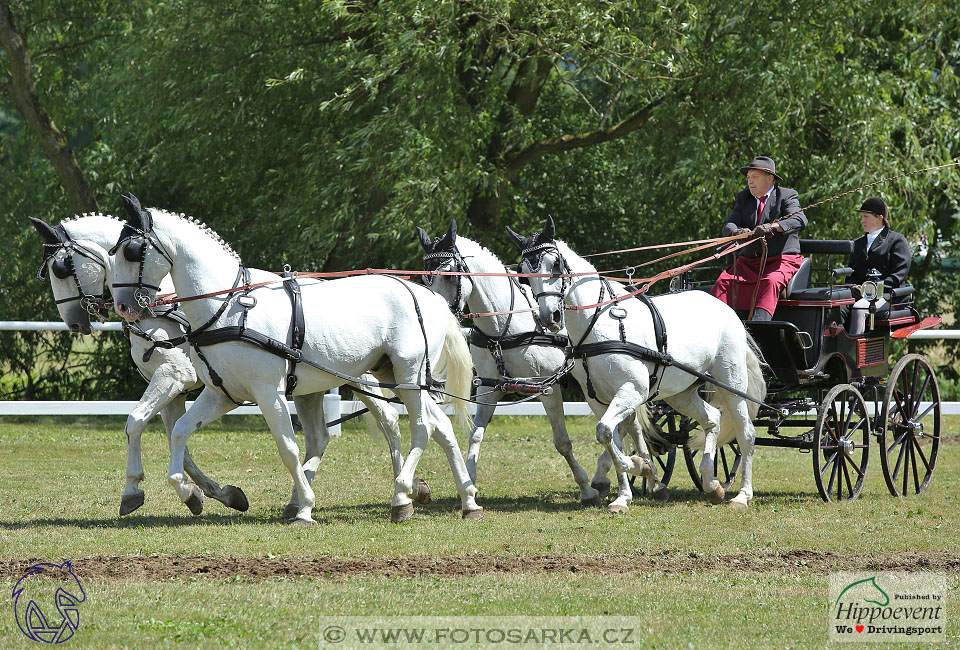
{"points": [[353, 325], [484, 294], [702, 332]]}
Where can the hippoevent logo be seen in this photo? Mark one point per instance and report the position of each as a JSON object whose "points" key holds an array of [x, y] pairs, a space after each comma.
{"points": [[46, 602], [890, 607]]}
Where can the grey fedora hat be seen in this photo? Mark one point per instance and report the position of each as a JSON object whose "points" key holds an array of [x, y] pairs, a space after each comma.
{"points": [[764, 164]]}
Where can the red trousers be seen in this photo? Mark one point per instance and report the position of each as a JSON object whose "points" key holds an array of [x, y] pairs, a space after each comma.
{"points": [[738, 281]]}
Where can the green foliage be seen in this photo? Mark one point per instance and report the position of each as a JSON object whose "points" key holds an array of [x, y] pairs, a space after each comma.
{"points": [[320, 133]]}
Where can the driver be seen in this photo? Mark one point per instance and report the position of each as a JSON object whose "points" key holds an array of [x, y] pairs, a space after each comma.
{"points": [[882, 250]]}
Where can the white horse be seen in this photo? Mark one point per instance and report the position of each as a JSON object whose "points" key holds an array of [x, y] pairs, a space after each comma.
{"points": [[396, 330], [77, 251], [534, 353], [76, 259], [702, 333]]}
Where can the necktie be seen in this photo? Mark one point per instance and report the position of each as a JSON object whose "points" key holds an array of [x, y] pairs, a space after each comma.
{"points": [[763, 200]]}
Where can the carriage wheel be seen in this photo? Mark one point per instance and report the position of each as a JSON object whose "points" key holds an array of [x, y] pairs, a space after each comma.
{"points": [[910, 424], [668, 459], [841, 444], [726, 464]]}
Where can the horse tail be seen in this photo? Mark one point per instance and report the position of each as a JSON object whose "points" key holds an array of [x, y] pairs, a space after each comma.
{"points": [[456, 365], [656, 440], [756, 388]]}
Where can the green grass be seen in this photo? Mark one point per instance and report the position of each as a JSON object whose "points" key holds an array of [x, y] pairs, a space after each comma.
{"points": [[61, 480]]}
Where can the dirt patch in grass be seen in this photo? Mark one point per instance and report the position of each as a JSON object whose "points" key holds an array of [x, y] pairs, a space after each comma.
{"points": [[164, 568]]}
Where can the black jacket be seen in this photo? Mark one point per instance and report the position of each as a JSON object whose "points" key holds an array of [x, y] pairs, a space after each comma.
{"points": [[890, 255], [782, 201]]}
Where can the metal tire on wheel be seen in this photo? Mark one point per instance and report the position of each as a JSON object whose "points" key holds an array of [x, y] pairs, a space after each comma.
{"points": [[726, 464], [904, 421], [841, 444]]}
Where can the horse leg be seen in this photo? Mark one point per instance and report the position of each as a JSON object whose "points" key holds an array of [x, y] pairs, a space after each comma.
{"points": [[315, 440], [209, 406], [658, 490], [487, 404], [690, 403], [442, 432], [623, 405], [746, 437], [163, 387], [273, 405], [229, 495], [553, 405]]}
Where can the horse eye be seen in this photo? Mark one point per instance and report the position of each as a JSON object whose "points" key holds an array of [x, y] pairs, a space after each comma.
{"points": [[61, 269]]}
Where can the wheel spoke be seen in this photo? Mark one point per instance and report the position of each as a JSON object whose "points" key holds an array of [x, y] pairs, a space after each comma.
{"points": [[899, 460], [726, 468], [849, 415], [898, 441], [853, 464], [833, 472], [916, 444], [846, 477], [919, 395], [852, 430], [926, 412], [916, 479], [906, 469]]}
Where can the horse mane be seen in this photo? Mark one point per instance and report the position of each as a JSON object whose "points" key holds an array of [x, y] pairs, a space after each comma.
{"points": [[204, 229], [577, 264], [478, 251]]}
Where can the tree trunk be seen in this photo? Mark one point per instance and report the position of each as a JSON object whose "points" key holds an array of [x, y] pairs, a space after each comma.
{"points": [[51, 139]]}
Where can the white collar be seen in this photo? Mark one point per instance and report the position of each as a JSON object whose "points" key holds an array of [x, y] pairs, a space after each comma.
{"points": [[767, 194]]}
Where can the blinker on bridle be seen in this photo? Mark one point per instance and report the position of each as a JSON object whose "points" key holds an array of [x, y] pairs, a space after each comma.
{"points": [[63, 268], [534, 258], [435, 261], [135, 246]]}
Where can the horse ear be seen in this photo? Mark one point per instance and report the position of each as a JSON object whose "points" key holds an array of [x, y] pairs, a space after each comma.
{"points": [[46, 231], [519, 240], [452, 232], [137, 216], [424, 238], [550, 229]]}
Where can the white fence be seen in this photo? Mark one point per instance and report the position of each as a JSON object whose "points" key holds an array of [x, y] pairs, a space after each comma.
{"points": [[333, 406]]}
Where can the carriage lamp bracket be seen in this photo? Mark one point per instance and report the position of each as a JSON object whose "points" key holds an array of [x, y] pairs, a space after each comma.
{"points": [[806, 340]]}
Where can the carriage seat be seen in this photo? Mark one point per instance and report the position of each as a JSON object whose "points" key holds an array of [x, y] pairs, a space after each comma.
{"points": [[799, 281], [798, 288]]}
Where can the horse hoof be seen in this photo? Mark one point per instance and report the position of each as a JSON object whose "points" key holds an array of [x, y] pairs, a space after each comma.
{"points": [[617, 509], [421, 492], [603, 488], [737, 504], [195, 501], [646, 470], [296, 521], [235, 498], [130, 502], [400, 514], [473, 515], [660, 494], [290, 511], [715, 497], [595, 502]]}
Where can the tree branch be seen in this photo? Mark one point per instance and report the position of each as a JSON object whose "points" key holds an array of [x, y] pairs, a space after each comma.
{"points": [[28, 103], [569, 142]]}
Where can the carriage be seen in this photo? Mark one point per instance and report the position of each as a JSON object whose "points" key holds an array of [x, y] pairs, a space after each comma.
{"points": [[829, 393]]}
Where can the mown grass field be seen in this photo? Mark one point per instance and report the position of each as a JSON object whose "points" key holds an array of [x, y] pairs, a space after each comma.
{"points": [[699, 576]]}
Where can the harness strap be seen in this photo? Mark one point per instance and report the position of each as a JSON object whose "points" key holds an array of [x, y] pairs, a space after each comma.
{"points": [[298, 328], [480, 339]]}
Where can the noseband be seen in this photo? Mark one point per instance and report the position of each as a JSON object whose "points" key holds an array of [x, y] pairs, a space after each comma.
{"points": [[92, 303], [135, 246]]}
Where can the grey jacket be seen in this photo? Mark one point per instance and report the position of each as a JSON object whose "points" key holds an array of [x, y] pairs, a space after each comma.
{"points": [[782, 201]]}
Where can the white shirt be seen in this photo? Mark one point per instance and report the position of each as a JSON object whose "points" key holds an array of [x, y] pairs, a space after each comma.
{"points": [[872, 237], [764, 196]]}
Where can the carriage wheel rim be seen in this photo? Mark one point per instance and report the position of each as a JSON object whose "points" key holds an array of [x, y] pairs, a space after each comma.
{"points": [[902, 458]]}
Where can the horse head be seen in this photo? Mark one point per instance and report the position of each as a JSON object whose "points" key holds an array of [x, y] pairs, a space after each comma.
{"points": [[138, 254], [540, 255], [441, 254], [77, 274]]}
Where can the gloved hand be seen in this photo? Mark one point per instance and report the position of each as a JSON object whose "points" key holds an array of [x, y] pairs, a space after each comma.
{"points": [[768, 230], [740, 231]]}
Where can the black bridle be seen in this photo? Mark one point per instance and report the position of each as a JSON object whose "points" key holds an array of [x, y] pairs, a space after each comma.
{"points": [[64, 267], [533, 256], [435, 261], [135, 243]]}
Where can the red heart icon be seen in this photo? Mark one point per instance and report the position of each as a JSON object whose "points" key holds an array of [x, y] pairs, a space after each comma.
{"points": [[859, 628]]}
